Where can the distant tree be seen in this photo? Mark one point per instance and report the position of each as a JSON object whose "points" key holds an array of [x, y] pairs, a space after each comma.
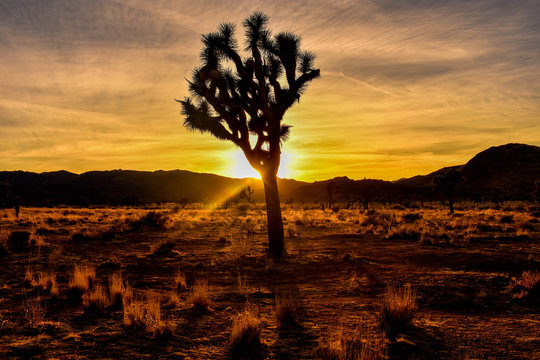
{"points": [[250, 99], [446, 183], [330, 188], [246, 193], [183, 202]]}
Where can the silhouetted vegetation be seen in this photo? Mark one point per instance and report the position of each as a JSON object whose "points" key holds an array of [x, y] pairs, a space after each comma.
{"points": [[446, 183], [251, 100]]}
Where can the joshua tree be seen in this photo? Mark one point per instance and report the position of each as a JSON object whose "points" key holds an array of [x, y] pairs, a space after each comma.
{"points": [[330, 188], [446, 183], [250, 98], [247, 193]]}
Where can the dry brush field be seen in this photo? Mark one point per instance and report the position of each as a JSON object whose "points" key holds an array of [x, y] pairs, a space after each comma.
{"points": [[195, 283]]}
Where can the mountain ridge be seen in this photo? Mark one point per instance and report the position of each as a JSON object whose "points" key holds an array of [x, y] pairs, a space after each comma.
{"points": [[507, 171]]}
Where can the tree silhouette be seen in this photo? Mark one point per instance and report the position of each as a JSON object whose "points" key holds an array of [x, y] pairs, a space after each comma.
{"points": [[446, 183], [250, 98], [247, 193]]}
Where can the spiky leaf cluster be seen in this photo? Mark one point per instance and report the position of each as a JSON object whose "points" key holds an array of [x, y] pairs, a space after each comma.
{"points": [[234, 96]]}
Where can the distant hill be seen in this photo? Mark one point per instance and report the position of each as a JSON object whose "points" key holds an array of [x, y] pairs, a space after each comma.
{"points": [[125, 187], [506, 172]]}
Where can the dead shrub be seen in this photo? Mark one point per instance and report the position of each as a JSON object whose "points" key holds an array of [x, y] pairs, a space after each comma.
{"points": [[398, 309], [246, 334], [200, 296]]}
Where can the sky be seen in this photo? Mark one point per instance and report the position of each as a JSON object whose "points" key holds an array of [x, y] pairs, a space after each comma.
{"points": [[406, 87]]}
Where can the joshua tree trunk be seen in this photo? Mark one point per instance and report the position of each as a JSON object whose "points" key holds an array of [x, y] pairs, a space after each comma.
{"points": [[273, 214]]}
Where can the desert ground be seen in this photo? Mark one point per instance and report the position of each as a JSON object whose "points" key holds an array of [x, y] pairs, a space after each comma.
{"points": [[195, 283]]}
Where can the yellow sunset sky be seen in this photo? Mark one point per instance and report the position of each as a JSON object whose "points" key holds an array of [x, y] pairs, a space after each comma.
{"points": [[406, 87]]}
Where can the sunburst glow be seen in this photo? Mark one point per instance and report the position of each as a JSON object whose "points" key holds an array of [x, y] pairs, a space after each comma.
{"points": [[240, 167]]}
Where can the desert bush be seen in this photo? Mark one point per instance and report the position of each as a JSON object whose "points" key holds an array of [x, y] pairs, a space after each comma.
{"points": [[95, 301], [526, 286], [245, 337], [82, 279], [153, 220], [398, 309], [286, 308], [385, 220], [200, 296], [145, 314]]}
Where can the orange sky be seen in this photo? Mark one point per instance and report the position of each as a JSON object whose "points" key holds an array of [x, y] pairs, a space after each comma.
{"points": [[406, 87]]}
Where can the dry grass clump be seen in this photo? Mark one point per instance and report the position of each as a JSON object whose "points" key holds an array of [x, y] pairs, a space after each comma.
{"points": [[180, 281], [82, 279], [145, 314], [526, 286], [117, 291], [246, 334], [200, 296], [95, 301], [342, 346], [398, 309], [46, 281], [286, 309]]}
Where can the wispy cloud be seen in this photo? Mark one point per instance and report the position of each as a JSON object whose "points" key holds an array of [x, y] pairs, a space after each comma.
{"points": [[406, 87]]}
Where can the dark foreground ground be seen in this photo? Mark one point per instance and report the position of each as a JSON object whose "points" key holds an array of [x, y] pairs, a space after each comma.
{"points": [[465, 270]]}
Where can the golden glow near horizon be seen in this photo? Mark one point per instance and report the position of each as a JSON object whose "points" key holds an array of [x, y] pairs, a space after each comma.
{"points": [[405, 88]]}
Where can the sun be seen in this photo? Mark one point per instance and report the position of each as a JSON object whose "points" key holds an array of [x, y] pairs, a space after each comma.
{"points": [[241, 169]]}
